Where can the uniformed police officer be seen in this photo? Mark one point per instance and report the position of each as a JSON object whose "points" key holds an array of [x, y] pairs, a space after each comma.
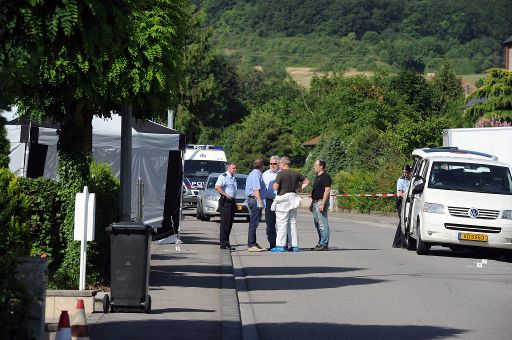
{"points": [[226, 186], [402, 186]]}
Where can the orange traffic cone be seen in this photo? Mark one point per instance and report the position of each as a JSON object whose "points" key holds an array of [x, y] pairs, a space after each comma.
{"points": [[63, 328], [79, 330]]}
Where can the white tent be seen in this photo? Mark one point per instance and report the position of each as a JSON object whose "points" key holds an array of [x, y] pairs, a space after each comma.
{"points": [[151, 146]]}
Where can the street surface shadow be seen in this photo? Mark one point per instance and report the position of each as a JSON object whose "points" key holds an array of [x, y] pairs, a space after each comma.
{"points": [[169, 256], [193, 268], [181, 310], [299, 330], [159, 329], [469, 254], [304, 283], [188, 239], [210, 329], [339, 249], [170, 276], [272, 271]]}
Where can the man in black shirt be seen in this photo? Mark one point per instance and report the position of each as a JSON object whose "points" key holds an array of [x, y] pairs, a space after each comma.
{"points": [[320, 204]]}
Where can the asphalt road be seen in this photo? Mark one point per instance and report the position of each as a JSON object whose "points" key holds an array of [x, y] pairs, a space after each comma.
{"points": [[364, 289]]}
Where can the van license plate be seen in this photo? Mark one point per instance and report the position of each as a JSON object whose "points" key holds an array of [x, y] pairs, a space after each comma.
{"points": [[473, 237], [239, 207]]}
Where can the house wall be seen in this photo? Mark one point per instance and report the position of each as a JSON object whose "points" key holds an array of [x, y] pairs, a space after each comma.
{"points": [[508, 59]]}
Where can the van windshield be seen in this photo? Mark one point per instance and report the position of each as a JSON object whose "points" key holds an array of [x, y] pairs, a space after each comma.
{"points": [[203, 168], [470, 177]]}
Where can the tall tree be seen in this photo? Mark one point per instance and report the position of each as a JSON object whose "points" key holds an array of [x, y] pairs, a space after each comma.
{"points": [[92, 57], [493, 98], [210, 95]]}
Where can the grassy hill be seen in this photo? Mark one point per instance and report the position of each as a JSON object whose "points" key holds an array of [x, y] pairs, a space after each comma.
{"points": [[339, 35]]}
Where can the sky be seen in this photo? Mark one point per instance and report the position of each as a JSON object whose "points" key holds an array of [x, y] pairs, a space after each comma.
{"points": [[9, 115]]}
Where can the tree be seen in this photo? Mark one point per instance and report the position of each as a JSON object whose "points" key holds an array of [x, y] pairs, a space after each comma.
{"points": [[416, 90], [4, 145], [494, 98], [93, 57], [210, 96]]}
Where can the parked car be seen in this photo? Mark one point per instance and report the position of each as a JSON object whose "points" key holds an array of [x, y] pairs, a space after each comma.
{"points": [[208, 199], [458, 199]]}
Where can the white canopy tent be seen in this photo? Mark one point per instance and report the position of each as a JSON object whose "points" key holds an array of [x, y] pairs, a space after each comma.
{"points": [[151, 146]]}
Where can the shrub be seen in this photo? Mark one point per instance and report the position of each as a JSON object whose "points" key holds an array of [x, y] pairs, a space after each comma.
{"points": [[366, 182], [4, 145], [106, 187], [14, 241], [44, 219]]}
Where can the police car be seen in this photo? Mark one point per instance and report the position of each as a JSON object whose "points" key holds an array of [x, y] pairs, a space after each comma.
{"points": [[199, 162], [208, 200]]}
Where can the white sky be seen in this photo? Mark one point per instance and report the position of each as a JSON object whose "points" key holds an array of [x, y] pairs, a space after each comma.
{"points": [[9, 115]]}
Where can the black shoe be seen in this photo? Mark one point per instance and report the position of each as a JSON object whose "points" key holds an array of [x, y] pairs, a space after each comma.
{"points": [[228, 247], [321, 248]]}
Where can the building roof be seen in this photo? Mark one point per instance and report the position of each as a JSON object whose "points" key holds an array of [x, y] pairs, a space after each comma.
{"points": [[467, 86], [312, 142], [508, 41]]}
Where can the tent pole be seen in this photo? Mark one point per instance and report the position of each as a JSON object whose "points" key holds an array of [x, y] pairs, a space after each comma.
{"points": [[125, 192]]}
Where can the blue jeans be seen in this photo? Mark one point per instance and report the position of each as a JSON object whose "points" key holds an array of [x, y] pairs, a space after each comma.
{"points": [[321, 223], [270, 220], [254, 220]]}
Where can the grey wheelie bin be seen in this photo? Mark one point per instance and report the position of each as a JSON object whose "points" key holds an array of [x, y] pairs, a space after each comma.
{"points": [[129, 267]]}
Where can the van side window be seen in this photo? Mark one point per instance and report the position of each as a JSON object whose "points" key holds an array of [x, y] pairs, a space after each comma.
{"points": [[425, 168]]}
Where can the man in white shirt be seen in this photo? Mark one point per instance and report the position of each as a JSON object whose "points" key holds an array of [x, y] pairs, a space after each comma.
{"points": [[269, 178]]}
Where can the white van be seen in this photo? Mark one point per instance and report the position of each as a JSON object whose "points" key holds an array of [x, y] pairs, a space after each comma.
{"points": [[199, 162], [458, 198]]}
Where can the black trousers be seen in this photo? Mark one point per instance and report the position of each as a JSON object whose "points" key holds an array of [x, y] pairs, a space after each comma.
{"points": [[399, 240], [227, 216]]}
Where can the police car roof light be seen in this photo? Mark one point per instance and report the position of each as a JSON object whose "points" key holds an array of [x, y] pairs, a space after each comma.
{"points": [[203, 147], [454, 149]]}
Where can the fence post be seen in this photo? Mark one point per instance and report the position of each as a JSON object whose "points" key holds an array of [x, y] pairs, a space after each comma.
{"points": [[333, 201]]}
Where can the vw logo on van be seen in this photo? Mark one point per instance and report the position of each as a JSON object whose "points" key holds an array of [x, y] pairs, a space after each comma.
{"points": [[473, 212]]}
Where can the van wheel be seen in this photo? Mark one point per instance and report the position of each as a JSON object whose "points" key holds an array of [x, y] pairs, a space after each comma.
{"points": [[422, 248]]}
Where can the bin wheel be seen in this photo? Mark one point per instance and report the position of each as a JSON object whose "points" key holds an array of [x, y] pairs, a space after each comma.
{"points": [[106, 303], [147, 305]]}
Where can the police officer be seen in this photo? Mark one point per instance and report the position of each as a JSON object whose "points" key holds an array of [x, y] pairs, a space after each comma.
{"points": [[226, 186], [402, 186]]}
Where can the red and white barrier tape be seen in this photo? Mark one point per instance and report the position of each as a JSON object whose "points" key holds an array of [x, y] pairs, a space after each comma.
{"points": [[365, 195]]}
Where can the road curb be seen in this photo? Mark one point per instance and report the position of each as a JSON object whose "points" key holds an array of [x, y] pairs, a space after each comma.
{"points": [[230, 312], [249, 330]]}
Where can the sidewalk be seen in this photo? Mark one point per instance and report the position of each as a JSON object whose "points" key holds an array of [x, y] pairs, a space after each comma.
{"points": [[192, 291]]}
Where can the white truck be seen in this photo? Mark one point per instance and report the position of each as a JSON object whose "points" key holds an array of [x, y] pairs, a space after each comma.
{"points": [[458, 199], [199, 162], [492, 140]]}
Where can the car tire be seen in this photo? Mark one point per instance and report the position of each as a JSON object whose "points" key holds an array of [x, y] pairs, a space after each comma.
{"points": [[199, 214], [422, 248]]}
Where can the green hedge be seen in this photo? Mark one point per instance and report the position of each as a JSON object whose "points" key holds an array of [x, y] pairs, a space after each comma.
{"points": [[366, 182], [4, 145], [14, 241], [32, 222]]}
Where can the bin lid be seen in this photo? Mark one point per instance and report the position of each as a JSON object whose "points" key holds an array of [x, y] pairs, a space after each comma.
{"points": [[133, 226]]}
